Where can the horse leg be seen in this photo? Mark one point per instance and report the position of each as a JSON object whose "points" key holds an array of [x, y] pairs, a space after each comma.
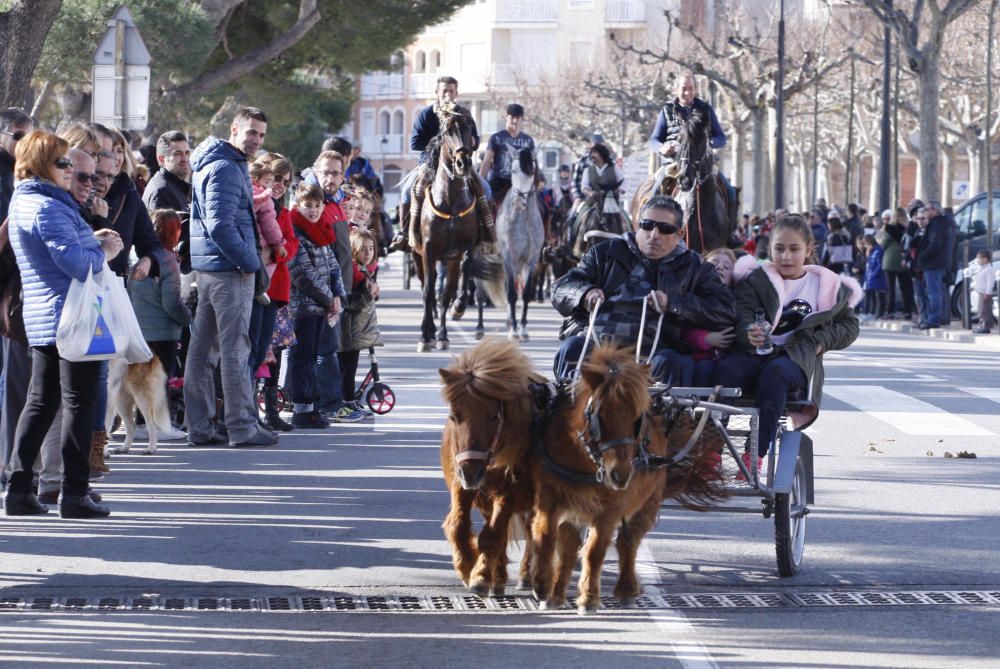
{"points": [[453, 270], [511, 309], [568, 546], [543, 539], [480, 299], [525, 299], [466, 287], [427, 327], [630, 533], [490, 572], [588, 599], [458, 529], [524, 571]]}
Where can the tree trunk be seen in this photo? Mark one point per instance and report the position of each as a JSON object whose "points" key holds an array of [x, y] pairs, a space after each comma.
{"points": [[930, 184], [947, 175], [757, 198], [23, 29], [873, 184], [736, 151]]}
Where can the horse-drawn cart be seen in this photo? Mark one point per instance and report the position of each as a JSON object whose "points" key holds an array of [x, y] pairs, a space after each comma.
{"points": [[784, 484]]}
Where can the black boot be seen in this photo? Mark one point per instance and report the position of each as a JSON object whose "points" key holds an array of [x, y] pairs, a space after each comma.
{"points": [[81, 506], [22, 504], [272, 418], [401, 242]]}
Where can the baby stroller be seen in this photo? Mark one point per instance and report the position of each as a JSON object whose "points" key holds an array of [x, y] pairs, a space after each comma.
{"points": [[377, 395]]}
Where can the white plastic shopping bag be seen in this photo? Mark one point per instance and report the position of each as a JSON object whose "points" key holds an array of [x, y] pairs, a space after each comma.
{"points": [[87, 331], [136, 350]]}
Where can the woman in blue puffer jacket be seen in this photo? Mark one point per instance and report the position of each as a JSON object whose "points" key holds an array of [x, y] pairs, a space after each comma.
{"points": [[53, 245]]}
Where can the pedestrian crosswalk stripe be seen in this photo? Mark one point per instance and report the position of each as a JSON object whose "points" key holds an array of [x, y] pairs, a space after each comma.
{"points": [[905, 413], [992, 394]]}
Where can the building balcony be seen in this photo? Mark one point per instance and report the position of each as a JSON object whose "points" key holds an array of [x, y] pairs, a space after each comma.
{"points": [[624, 13], [374, 146], [521, 12], [422, 85], [382, 85]]}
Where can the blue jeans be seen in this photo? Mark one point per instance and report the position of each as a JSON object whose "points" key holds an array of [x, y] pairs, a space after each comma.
{"points": [[406, 185], [770, 378], [666, 366], [302, 359], [936, 296], [328, 379]]}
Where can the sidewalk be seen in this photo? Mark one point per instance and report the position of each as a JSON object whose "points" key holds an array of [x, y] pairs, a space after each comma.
{"points": [[952, 332]]}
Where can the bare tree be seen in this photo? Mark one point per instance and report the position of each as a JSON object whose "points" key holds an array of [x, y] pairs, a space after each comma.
{"points": [[921, 35], [23, 28]]}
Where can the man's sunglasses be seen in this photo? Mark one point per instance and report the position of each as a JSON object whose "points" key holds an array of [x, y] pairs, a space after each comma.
{"points": [[17, 136], [84, 178], [64, 163], [648, 224]]}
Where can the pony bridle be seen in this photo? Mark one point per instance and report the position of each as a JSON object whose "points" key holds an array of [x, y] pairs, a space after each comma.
{"points": [[486, 455], [590, 437]]}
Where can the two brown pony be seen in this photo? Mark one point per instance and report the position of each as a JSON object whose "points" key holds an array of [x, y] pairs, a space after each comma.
{"points": [[580, 467]]}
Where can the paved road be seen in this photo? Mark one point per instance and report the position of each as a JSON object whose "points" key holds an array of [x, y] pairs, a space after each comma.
{"points": [[351, 516]]}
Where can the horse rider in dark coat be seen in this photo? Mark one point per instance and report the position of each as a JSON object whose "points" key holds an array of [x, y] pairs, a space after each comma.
{"points": [[426, 127], [622, 273]]}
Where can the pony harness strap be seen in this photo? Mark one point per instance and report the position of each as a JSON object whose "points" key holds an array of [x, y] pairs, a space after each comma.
{"points": [[487, 455], [441, 214]]}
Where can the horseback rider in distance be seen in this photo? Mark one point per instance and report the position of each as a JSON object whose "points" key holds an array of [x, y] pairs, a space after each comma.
{"points": [[426, 127], [667, 134], [503, 148]]}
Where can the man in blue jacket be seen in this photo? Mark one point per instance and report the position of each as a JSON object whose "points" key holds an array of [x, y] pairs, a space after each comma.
{"points": [[225, 258]]}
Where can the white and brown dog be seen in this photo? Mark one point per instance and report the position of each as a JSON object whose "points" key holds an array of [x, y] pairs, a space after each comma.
{"points": [[139, 385]]}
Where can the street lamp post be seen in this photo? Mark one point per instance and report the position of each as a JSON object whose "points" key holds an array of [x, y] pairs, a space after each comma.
{"points": [[850, 136], [884, 154], [779, 114]]}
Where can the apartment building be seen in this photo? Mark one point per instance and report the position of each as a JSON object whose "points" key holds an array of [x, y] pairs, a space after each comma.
{"points": [[489, 46]]}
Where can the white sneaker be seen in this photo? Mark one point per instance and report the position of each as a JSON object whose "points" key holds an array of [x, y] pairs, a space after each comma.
{"points": [[171, 434]]}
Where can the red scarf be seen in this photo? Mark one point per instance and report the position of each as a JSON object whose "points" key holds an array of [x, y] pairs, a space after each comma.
{"points": [[360, 276], [319, 233]]}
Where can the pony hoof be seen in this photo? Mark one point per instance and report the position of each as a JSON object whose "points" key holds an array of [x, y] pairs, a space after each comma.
{"points": [[523, 334], [498, 591], [480, 333], [551, 604], [443, 344], [479, 588], [149, 451], [457, 312], [584, 610], [425, 346], [628, 602]]}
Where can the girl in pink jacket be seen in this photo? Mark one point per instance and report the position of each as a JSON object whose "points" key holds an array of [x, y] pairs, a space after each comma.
{"points": [[272, 242]]}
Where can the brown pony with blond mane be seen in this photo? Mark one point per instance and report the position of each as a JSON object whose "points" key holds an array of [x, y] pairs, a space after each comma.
{"points": [[599, 437], [483, 450]]}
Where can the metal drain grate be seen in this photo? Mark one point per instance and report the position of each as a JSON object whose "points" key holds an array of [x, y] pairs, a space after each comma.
{"points": [[468, 603]]}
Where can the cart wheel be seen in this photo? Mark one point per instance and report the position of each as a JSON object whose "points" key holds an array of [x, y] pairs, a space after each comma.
{"points": [[790, 523], [407, 270], [259, 394], [380, 398]]}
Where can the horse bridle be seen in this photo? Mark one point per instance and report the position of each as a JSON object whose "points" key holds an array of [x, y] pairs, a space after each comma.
{"points": [[590, 437], [486, 455]]}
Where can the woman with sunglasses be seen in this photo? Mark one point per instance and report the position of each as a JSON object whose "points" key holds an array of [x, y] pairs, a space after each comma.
{"points": [[808, 310], [53, 245], [650, 265]]}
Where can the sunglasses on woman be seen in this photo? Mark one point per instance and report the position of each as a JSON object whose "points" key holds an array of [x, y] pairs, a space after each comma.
{"points": [[64, 163], [648, 224]]}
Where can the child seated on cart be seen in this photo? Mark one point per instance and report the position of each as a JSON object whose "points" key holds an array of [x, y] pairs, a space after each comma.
{"points": [[808, 310]]}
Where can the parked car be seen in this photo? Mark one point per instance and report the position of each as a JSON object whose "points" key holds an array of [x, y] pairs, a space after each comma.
{"points": [[972, 237]]}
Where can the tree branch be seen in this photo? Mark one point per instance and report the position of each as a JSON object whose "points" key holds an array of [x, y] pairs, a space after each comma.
{"points": [[246, 63]]}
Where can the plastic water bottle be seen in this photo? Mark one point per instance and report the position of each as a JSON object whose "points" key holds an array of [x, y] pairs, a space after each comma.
{"points": [[767, 348]]}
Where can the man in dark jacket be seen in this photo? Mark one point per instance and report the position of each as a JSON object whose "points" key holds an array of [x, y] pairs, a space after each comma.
{"points": [[169, 187], [14, 124], [935, 256], [619, 275], [225, 258]]}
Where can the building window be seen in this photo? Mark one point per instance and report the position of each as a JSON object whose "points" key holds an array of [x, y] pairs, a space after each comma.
{"points": [[396, 61], [420, 62], [435, 60], [391, 176], [551, 159], [367, 122], [384, 122], [397, 122]]}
